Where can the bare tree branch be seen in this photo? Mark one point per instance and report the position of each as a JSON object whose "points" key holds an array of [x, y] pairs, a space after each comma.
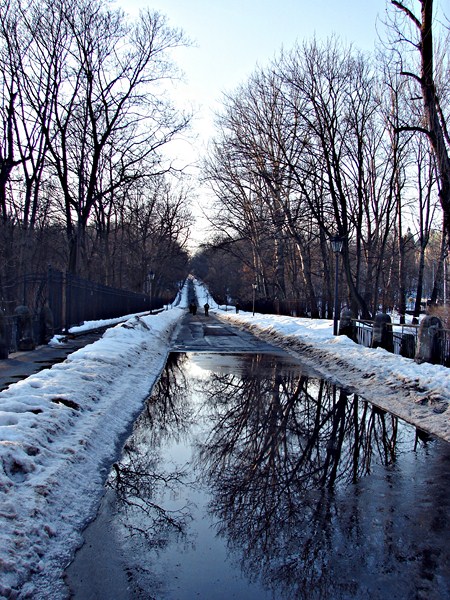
{"points": [[407, 12]]}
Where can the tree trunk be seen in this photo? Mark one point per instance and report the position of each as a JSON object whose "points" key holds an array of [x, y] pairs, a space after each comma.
{"points": [[431, 107], [440, 272], [432, 110]]}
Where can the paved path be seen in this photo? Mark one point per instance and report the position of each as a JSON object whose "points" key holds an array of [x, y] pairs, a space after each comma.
{"points": [[21, 365], [207, 334]]}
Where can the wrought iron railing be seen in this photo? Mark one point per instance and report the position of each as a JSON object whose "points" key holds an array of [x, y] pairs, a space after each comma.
{"points": [[405, 338]]}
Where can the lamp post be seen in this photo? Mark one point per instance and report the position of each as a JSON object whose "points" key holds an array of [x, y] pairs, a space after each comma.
{"points": [[336, 244], [150, 278], [254, 286]]}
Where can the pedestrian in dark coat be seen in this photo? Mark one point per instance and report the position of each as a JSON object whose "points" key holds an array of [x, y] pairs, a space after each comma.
{"points": [[206, 307]]}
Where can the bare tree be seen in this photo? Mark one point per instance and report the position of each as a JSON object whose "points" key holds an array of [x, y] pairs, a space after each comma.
{"points": [[239, 211], [344, 166], [8, 98], [420, 37], [303, 153], [96, 83]]}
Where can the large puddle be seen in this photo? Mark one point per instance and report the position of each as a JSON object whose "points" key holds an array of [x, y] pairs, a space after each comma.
{"points": [[246, 477]]}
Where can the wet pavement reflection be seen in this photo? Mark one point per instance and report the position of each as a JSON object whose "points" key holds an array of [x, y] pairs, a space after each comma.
{"points": [[248, 477]]}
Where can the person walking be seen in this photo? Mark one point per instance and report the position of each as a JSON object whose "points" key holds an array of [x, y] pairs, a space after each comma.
{"points": [[206, 307]]}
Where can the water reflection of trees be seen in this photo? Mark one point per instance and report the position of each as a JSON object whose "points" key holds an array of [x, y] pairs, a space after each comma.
{"points": [[295, 429], [167, 412], [140, 479], [281, 448]]}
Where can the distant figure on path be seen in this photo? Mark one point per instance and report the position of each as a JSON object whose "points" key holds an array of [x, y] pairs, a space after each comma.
{"points": [[206, 307], [194, 308], [237, 307]]}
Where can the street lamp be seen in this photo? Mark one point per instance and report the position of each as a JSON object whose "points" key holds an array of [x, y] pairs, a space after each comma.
{"points": [[336, 244], [150, 278], [254, 286]]}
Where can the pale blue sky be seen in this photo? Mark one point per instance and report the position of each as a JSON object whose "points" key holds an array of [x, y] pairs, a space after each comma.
{"points": [[232, 37]]}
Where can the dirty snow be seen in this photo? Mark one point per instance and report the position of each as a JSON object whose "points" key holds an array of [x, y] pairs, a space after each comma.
{"points": [[61, 429]]}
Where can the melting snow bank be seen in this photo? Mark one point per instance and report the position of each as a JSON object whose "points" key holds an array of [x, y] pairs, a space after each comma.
{"points": [[419, 394], [60, 430]]}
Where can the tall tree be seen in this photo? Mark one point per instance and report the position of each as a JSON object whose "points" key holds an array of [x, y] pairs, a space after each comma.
{"points": [[343, 169], [95, 81], [8, 98], [427, 85]]}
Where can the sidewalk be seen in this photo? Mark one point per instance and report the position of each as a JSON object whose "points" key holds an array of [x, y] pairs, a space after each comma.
{"points": [[20, 365]]}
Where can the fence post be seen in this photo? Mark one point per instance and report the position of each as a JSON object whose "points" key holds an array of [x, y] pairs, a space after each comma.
{"points": [[346, 326], [46, 324], [408, 345], [68, 300], [50, 299], [429, 347], [382, 332]]}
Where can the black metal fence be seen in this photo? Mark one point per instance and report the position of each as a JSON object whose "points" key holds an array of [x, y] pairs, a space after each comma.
{"points": [[89, 301], [292, 308], [72, 300]]}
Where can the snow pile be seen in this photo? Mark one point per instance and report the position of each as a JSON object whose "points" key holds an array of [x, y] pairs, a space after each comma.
{"points": [[203, 295], [59, 433], [104, 323], [418, 393]]}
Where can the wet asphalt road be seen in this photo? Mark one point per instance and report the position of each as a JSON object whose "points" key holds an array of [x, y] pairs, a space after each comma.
{"points": [[283, 487], [198, 333]]}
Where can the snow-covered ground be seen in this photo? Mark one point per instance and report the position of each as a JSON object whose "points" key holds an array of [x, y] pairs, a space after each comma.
{"points": [[61, 429]]}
